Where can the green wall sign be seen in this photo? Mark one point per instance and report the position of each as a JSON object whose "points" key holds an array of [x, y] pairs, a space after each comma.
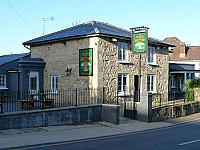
{"points": [[86, 62], [140, 45]]}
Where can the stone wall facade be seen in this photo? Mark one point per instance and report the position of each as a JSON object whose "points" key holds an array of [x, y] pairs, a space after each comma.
{"points": [[109, 67], [62, 55], [169, 112]]}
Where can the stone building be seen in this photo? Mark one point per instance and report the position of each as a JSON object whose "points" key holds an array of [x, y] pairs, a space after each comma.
{"points": [[114, 64]]}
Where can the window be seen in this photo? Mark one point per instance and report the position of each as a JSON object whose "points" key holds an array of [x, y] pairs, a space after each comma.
{"points": [[151, 83], [54, 83], [151, 55], [122, 84], [122, 51], [2, 81]]}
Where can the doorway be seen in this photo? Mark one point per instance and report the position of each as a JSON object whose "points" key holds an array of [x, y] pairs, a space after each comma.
{"points": [[137, 89], [33, 82]]}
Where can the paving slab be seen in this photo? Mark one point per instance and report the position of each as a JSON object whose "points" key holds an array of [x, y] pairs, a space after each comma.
{"points": [[33, 130], [69, 127], [11, 131]]}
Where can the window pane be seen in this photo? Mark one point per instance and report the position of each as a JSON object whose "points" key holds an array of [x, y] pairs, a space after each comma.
{"points": [[119, 51], [119, 83], [124, 83], [148, 83], [149, 54], [152, 81], [124, 54], [33, 83]]}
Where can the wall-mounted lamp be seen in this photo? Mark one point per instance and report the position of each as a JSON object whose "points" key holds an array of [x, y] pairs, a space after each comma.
{"points": [[114, 40], [68, 71], [158, 48]]}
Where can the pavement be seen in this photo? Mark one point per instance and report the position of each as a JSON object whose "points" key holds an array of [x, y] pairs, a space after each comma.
{"points": [[42, 135]]}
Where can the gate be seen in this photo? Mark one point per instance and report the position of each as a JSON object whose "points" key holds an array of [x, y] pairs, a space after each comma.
{"points": [[130, 108]]}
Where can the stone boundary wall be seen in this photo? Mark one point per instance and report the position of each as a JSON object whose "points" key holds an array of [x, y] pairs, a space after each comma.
{"points": [[164, 113], [60, 116]]}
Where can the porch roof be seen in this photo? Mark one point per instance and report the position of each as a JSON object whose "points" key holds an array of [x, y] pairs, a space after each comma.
{"points": [[181, 67]]}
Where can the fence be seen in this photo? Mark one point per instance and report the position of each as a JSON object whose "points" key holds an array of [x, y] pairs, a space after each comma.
{"points": [[11, 101], [172, 98]]}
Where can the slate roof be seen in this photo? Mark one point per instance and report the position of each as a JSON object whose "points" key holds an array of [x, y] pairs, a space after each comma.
{"points": [[8, 58], [89, 28], [181, 67]]}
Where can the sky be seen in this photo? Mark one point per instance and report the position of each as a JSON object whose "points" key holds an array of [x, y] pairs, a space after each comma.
{"points": [[21, 20]]}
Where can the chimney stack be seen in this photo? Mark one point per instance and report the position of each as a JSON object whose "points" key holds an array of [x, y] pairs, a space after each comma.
{"points": [[182, 50]]}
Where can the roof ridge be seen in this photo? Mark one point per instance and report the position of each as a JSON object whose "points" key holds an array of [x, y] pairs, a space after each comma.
{"points": [[113, 26], [58, 31], [96, 30], [157, 39], [15, 58], [13, 54]]}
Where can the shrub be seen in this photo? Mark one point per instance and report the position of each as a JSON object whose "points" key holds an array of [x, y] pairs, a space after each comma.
{"points": [[190, 86]]}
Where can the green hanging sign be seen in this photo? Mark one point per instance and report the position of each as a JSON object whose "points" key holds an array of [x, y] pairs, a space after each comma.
{"points": [[140, 42], [86, 62]]}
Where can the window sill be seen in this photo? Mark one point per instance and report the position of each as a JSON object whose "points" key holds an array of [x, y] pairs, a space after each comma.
{"points": [[152, 64], [152, 92], [124, 95], [3, 88], [173, 87], [54, 92], [123, 62]]}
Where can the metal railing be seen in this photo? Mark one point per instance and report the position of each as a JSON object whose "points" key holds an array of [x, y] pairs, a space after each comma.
{"points": [[11, 101], [172, 98]]}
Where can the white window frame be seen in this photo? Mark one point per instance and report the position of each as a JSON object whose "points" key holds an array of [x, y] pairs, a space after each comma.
{"points": [[123, 89], [3, 81], [151, 55], [122, 52], [173, 82], [54, 84], [151, 83]]}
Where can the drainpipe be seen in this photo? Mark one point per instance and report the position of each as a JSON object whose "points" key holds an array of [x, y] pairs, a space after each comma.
{"points": [[18, 78]]}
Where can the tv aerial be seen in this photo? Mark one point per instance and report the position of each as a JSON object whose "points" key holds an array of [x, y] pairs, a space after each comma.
{"points": [[45, 19]]}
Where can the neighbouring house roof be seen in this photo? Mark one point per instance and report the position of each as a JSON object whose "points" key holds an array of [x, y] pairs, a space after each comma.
{"points": [[181, 67], [191, 52], [8, 58], [87, 29]]}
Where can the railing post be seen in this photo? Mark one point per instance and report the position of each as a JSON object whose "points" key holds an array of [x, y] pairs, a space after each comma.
{"points": [[103, 101], [117, 96], [1, 102], [76, 97], [160, 101], [174, 97], [125, 103]]}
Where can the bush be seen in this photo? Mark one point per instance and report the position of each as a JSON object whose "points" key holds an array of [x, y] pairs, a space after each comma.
{"points": [[190, 86], [189, 96]]}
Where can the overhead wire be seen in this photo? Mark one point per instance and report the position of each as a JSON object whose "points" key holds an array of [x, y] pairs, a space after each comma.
{"points": [[21, 17]]}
